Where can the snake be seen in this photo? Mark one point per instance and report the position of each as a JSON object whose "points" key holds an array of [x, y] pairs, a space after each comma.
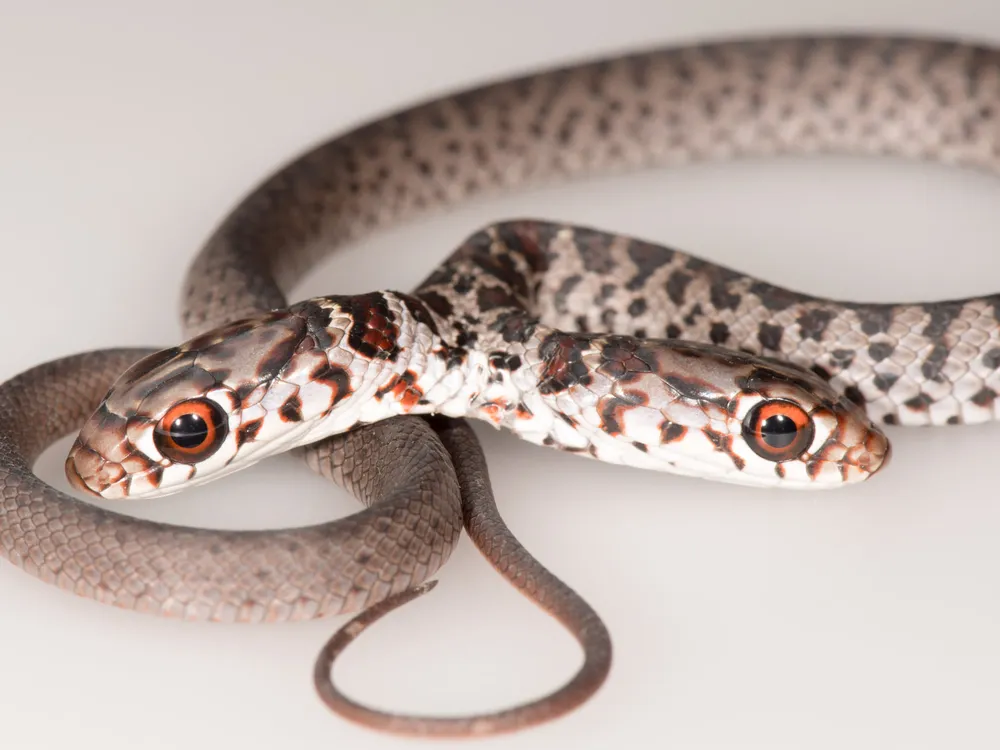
{"points": [[594, 342]]}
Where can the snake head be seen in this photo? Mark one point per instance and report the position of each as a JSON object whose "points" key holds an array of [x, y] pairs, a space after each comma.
{"points": [[797, 427], [184, 415], [756, 421], [705, 411]]}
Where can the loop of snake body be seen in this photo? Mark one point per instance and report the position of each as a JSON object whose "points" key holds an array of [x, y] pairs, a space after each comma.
{"points": [[583, 340]]}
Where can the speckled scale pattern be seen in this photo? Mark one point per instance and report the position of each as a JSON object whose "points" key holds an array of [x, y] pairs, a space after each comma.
{"points": [[911, 98], [911, 364], [407, 533]]}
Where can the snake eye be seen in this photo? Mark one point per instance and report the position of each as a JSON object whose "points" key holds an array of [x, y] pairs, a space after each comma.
{"points": [[191, 431], [778, 430]]}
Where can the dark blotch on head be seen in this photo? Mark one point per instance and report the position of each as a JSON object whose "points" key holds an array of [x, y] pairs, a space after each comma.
{"points": [[291, 410], [696, 390], [247, 432], [723, 444], [154, 476], [336, 378], [612, 409], [671, 431]]}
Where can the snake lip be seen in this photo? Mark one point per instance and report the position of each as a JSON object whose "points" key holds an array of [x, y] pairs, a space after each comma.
{"points": [[76, 481]]}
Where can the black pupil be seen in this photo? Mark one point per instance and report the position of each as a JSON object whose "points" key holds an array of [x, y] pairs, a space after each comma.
{"points": [[778, 431], [188, 431]]}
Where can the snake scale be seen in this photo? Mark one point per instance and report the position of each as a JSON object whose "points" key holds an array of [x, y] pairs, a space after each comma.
{"points": [[587, 341]]}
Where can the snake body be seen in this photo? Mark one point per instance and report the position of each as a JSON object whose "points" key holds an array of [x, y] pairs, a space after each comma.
{"points": [[563, 296]]}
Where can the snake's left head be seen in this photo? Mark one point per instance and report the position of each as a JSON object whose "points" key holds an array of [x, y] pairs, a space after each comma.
{"points": [[215, 404], [795, 424]]}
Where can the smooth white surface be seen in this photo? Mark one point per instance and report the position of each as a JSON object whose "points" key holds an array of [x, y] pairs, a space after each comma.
{"points": [[863, 618]]}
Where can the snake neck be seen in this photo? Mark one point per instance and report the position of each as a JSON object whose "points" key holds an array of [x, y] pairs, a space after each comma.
{"points": [[398, 356], [406, 359]]}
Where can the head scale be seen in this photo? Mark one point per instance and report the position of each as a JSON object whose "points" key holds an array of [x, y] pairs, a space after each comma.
{"points": [[773, 424]]}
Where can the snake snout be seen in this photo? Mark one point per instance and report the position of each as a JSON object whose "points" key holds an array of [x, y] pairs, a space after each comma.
{"points": [[76, 480], [879, 452], [871, 455], [89, 472]]}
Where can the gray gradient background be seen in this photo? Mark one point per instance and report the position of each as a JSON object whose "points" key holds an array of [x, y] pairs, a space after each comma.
{"points": [[865, 618]]}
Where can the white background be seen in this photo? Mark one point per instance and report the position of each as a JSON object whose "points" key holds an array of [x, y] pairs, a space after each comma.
{"points": [[862, 618]]}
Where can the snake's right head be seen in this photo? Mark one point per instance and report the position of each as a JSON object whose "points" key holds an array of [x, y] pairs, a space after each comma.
{"points": [[214, 405]]}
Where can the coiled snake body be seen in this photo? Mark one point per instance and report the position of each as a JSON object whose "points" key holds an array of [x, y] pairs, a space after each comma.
{"points": [[592, 342]]}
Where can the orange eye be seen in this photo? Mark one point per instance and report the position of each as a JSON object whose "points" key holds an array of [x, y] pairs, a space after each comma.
{"points": [[778, 430], [191, 431]]}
